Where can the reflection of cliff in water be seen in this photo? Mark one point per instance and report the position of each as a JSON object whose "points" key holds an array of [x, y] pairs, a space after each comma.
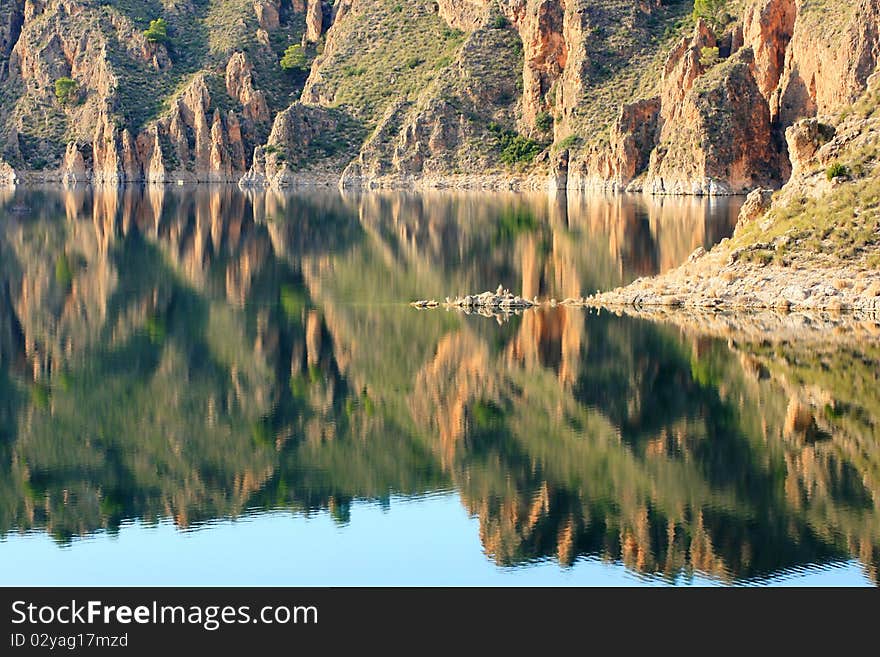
{"points": [[199, 354]]}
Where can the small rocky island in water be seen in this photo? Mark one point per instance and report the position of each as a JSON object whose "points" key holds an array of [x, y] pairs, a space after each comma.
{"points": [[501, 300]]}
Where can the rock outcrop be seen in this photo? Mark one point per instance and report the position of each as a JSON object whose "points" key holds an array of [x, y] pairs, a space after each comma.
{"points": [[8, 177], [615, 163], [73, 168], [501, 301], [268, 14], [804, 140], [102, 127], [767, 28], [240, 86], [831, 54], [296, 132], [194, 142], [756, 205], [810, 245], [717, 139], [445, 130], [559, 58], [314, 20], [11, 19], [708, 132], [722, 125]]}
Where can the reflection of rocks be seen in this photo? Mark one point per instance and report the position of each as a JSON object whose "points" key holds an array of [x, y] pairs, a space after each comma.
{"points": [[456, 377], [807, 327], [232, 364], [800, 423], [550, 338], [11, 337]]}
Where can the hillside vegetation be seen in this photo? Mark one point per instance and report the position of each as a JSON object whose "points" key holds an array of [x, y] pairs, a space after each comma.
{"points": [[661, 96]]}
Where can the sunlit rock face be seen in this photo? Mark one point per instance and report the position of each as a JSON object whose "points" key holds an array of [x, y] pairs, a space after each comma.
{"points": [[545, 94]]}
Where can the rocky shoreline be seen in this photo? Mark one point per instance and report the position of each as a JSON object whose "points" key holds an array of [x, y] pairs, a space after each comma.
{"points": [[719, 280], [488, 182]]}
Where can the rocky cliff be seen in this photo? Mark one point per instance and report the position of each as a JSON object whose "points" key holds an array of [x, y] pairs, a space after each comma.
{"points": [[641, 94], [90, 94], [709, 117], [8, 177], [812, 245]]}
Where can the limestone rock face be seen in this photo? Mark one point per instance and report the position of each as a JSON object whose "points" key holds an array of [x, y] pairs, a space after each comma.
{"points": [[708, 132], [235, 142], [191, 143], [8, 177], [203, 145], [718, 141], [803, 61], [768, 27], [11, 19], [682, 68], [268, 13], [464, 14], [150, 147], [41, 42], [546, 53], [240, 85], [616, 163], [556, 37], [804, 139], [829, 59], [73, 168], [545, 69], [444, 130], [314, 20], [112, 66], [106, 153], [294, 133], [50, 44]]}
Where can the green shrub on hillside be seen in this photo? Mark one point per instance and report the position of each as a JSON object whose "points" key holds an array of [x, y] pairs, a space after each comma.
{"points": [[157, 32], [544, 122], [569, 142], [294, 59], [836, 170], [515, 149], [65, 90], [711, 11], [709, 57], [499, 22]]}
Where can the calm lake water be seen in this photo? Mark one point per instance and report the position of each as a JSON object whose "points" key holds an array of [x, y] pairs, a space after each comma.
{"points": [[214, 387]]}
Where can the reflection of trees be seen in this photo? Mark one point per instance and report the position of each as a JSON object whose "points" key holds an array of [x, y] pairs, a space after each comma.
{"points": [[212, 352]]}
